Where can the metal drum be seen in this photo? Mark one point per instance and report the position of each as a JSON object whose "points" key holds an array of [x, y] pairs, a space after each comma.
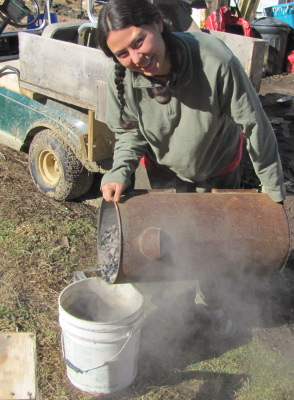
{"points": [[163, 235]]}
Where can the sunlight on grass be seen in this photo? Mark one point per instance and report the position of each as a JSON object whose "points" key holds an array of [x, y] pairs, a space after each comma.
{"points": [[42, 235], [267, 370]]}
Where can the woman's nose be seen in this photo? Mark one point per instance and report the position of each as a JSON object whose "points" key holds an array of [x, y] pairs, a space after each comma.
{"points": [[136, 57]]}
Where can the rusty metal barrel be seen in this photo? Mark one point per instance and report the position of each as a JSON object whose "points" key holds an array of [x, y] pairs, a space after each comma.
{"points": [[163, 235]]}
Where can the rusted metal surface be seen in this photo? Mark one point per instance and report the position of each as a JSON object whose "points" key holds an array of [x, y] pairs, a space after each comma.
{"points": [[150, 243], [173, 236]]}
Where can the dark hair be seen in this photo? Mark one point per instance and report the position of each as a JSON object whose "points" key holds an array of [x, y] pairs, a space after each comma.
{"points": [[120, 14]]}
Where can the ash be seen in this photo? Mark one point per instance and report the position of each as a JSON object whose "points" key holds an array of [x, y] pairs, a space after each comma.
{"points": [[108, 248]]}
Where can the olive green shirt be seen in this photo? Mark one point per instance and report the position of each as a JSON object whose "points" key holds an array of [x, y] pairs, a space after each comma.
{"points": [[195, 135]]}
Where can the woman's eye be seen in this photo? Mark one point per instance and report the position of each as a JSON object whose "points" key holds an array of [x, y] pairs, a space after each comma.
{"points": [[138, 43], [123, 54]]}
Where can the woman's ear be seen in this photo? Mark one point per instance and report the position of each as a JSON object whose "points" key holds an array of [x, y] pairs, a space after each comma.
{"points": [[159, 25]]}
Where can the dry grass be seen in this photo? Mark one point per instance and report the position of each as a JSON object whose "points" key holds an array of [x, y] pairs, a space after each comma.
{"points": [[43, 242]]}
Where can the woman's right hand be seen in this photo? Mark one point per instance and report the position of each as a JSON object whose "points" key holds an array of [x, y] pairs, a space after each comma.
{"points": [[112, 191]]}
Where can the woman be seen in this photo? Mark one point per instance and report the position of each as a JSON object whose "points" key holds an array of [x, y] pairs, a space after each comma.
{"points": [[184, 103], [182, 99]]}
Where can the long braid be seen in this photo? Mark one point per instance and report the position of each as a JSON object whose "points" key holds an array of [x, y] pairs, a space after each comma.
{"points": [[120, 72]]}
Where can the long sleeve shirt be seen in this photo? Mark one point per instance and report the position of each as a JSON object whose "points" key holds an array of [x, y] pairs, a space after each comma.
{"points": [[195, 135]]}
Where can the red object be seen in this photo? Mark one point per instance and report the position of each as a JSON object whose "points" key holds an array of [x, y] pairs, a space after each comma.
{"points": [[233, 164], [290, 62], [152, 166], [222, 20], [235, 161]]}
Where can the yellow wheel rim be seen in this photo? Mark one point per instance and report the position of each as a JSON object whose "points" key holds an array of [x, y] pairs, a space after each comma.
{"points": [[49, 167]]}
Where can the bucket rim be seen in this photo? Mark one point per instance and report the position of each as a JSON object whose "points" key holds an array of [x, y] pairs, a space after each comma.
{"points": [[132, 317]]}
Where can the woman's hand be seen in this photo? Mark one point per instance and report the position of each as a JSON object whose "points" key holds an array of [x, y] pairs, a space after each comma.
{"points": [[112, 191]]}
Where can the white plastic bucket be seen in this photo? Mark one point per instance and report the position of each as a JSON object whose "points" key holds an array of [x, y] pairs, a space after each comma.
{"points": [[101, 326]]}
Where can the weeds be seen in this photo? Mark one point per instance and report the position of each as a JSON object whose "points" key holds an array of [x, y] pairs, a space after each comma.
{"points": [[18, 318]]}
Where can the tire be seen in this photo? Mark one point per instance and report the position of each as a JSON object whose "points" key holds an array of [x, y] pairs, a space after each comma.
{"points": [[55, 169]]}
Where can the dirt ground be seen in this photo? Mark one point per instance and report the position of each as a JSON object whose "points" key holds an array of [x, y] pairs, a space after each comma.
{"points": [[29, 279]]}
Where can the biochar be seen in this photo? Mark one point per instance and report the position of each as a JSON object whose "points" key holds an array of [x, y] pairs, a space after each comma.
{"points": [[108, 247]]}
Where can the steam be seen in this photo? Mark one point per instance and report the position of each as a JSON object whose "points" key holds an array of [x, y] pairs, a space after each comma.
{"points": [[96, 301], [206, 242]]}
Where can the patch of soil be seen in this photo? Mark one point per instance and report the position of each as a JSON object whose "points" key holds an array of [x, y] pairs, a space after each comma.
{"points": [[281, 117]]}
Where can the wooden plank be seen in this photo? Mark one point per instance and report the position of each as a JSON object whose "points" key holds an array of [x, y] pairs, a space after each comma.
{"points": [[101, 139], [91, 116], [256, 63], [18, 366], [41, 91], [68, 69], [249, 51], [248, 9], [100, 105]]}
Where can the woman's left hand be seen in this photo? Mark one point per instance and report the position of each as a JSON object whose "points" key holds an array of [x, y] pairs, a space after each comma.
{"points": [[112, 191]]}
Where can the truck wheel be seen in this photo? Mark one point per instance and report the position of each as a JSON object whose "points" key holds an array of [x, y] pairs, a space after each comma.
{"points": [[55, 169]]}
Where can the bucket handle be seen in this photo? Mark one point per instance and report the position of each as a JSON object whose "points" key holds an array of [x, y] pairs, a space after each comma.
{"points": [[78, 370]]}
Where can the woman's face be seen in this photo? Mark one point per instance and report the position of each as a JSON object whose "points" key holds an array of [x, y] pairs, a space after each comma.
{"points": [[140, 49]]}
